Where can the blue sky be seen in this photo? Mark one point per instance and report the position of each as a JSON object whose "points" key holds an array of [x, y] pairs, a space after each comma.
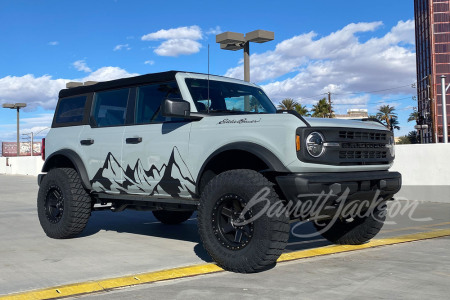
{"points": [[350, 48]]}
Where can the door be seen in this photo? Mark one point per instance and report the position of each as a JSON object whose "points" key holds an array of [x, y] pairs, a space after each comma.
{"points": [[102, 141], [155, 148]]}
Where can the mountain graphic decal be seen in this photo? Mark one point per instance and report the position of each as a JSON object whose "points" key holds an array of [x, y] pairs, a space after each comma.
{"points": [[172, 178]]}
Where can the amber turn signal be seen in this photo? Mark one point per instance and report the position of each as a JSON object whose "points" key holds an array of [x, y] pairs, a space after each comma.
{"points": [[297, 142]]}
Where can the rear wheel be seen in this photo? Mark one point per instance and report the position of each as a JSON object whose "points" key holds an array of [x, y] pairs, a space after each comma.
{"points": [[238, 237], [353, 231], [63, 204], [172, 217]]}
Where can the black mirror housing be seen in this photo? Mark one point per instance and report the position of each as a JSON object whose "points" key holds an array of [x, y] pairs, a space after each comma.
{"points": [[177, 108]]}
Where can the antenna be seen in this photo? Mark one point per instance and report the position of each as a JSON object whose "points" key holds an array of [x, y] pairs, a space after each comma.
{"points": [[209, 100]]}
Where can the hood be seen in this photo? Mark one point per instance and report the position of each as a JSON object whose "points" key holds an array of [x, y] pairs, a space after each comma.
{"points": [[322, 122]]}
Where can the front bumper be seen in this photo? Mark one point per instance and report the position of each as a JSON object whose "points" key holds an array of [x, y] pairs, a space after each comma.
{"points": [[334, 188]]}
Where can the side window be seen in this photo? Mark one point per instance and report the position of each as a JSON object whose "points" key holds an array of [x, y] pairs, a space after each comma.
{"points": [[110, 108], [149, 99], [70, 110]]}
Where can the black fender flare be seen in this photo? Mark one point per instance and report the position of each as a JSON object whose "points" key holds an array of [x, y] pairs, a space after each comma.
{"points": [[270, 159], [75, 160]]}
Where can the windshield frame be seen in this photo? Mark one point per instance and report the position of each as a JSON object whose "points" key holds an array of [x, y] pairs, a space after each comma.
{"points": [[231, 85]]}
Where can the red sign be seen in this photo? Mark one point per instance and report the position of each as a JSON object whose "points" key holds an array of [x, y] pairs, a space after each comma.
{"points": [[10, 149]]}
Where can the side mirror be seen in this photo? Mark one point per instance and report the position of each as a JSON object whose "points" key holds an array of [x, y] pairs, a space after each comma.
{"points": [[177, 108]]}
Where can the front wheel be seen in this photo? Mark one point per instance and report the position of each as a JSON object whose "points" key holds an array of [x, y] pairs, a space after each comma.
{"points": [[63, 205], [238, 233], [353, 231]]}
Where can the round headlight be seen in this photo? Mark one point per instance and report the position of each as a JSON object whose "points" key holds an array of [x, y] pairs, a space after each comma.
{"points": [[391, 146], [314, 144]]}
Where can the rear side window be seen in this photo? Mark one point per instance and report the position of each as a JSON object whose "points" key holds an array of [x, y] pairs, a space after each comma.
{"points": [[149, 100], [110, 108], [70, 110]]}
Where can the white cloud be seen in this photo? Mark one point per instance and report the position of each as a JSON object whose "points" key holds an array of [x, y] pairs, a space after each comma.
{"points": [[120, 47], [53, 43], [35, 91], [149, 62], [215, 30], [178, 41], [176, 47], [43, 91], [81, 65], [192, 33], [338, 62], [107, 73]]}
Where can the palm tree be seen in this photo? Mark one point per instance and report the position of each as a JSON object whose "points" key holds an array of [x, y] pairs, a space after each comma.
{"points": [[393, 124], [287, 104], [302, 110], [386, 113], [322, 109], [414, 116]]}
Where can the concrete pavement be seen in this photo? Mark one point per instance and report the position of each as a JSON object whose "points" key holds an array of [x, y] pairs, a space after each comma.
{"points": [[417, 270], [118, 244]]}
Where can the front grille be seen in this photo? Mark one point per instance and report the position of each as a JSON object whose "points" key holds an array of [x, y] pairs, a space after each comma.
{"points": [[362, 154], [362, 135], [351, 147]]}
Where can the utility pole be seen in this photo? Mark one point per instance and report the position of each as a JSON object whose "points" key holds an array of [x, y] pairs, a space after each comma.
{"points": [[434, 130], [329, 103]]}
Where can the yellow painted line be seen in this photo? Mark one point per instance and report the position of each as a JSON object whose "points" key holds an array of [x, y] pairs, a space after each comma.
{"points": [[374, 243], [416, 227], [189, 271]]}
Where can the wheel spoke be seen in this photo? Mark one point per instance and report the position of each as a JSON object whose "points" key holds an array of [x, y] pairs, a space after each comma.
{"points": [[238, 235], [246, 230], [56, 194], [227, 212], [227, 228]]}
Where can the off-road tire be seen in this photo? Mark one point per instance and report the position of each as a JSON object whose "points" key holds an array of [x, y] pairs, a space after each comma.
{"points": [[172, 217], [64, 184], [269, 234], [356, 232]]}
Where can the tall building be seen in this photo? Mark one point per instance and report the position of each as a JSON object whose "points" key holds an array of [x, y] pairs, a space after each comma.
{"points": [[433, 60]]}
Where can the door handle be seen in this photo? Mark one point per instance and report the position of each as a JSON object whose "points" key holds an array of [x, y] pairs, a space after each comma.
{"points": [[135, 140], [87, 142]]}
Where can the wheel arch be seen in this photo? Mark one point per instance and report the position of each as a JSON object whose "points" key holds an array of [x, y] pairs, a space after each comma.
{"points": [[253, 155], [67, 158]]}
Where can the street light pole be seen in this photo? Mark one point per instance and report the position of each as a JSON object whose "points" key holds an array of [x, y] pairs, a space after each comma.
{"points": [[16, 106], [444, 110], [18, 137], [237, 41], [247, 61]]}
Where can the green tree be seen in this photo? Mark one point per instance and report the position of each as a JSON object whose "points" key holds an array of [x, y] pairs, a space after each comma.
{"points": [[386, 113], [393, 124], [414, 116], [302, 110], [287, 104], [403, 140], [322, 109], [413, 137]]}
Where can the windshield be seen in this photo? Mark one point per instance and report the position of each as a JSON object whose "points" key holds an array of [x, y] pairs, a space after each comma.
{"points": [[228, 97]]}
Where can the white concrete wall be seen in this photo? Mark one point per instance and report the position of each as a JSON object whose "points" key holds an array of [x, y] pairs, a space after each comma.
{"points": [[23, 165], [425, 171]]}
